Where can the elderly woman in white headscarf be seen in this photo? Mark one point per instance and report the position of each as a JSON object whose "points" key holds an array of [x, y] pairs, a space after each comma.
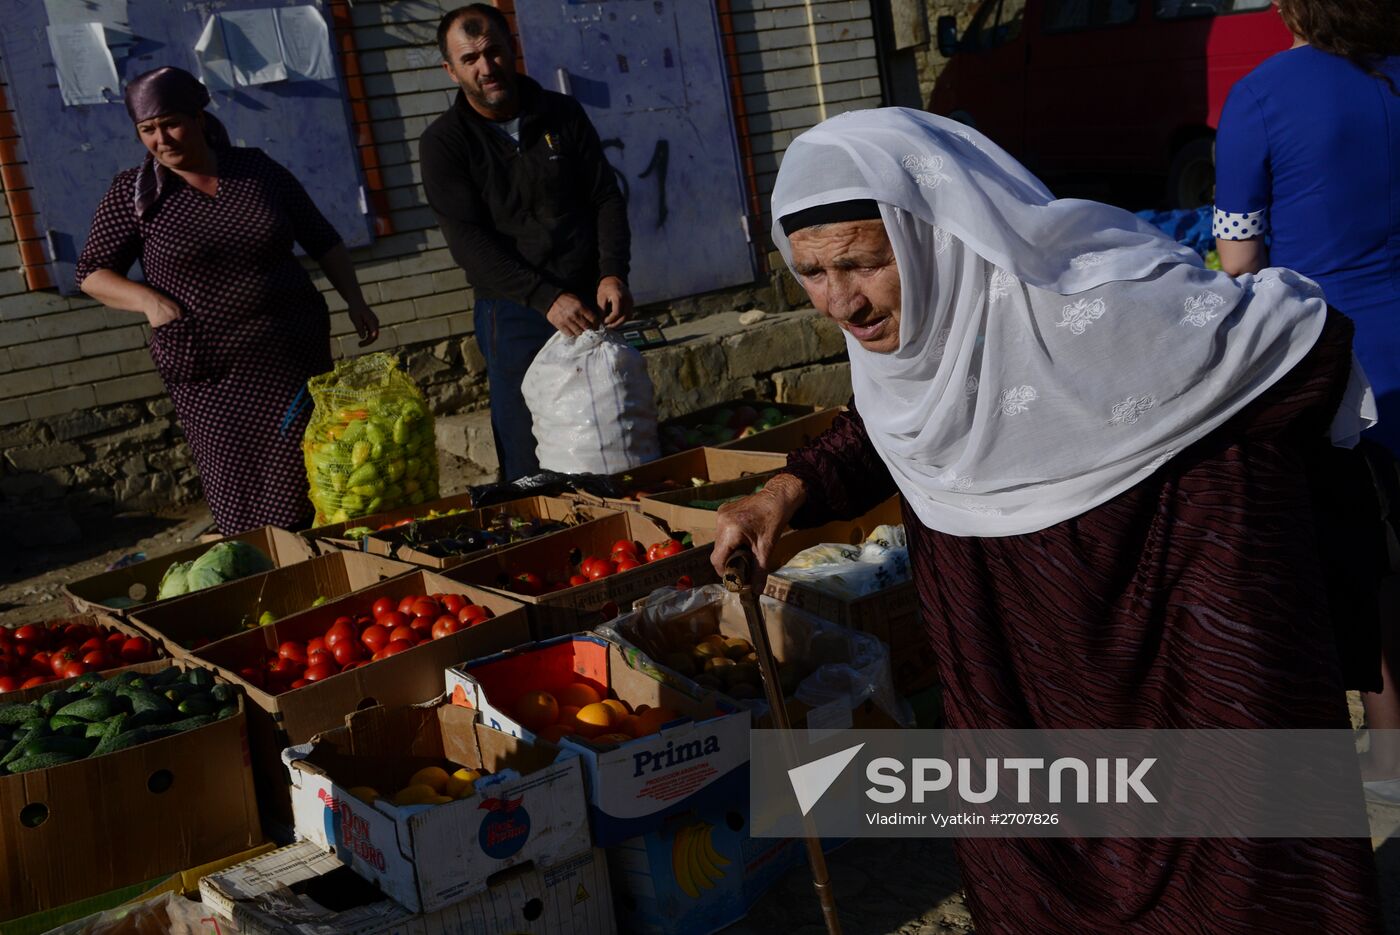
{"points": [[1103, 454]]}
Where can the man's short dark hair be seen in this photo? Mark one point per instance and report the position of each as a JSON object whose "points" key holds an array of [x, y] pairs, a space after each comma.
{"points": [[476, 19]]}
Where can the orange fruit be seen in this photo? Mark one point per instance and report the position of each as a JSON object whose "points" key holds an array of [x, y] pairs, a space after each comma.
{"points": [[619, 709], [594, 719], [578, 694], [434, 776], [536, 709], [554, 732], [650, 721]]}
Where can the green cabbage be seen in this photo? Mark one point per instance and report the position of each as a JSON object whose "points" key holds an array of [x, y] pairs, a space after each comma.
{"points": [[175, 581], [224, 562]]}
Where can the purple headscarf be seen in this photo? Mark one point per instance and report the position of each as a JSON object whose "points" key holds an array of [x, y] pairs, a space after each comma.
{"points": [[167, 90]]}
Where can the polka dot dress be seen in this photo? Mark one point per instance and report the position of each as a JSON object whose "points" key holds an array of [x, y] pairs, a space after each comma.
{"points": [[252, 329], [1238, 225]]}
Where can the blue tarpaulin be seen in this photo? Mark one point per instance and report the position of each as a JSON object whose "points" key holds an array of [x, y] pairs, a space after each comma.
{"points": [[1189, 226]]}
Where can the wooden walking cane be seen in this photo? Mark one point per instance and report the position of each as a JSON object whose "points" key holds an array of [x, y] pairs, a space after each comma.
{"points": [[737, 572]]}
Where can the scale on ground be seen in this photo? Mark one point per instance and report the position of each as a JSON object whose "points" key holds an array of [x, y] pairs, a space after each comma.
{"points": [[643, 334]]}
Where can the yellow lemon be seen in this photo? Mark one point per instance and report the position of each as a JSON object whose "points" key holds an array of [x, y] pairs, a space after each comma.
{"points": [[434, 776], [363, 792], [619, 709], [462, 783], [415, 795]]}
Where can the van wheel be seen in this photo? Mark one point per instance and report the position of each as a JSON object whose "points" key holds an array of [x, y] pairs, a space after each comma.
{"points": [[1191, 180]]}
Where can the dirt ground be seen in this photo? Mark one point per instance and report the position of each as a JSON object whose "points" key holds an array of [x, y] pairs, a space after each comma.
{"points": [[896, 886]]}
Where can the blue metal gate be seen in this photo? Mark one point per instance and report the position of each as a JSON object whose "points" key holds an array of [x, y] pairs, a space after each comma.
{"points": [[651, 75]]}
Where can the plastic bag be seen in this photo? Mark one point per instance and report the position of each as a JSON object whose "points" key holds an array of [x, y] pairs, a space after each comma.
{"points": [[369, 446], [547, 484], [166, 914], [849, 571], [822, 663], [592, 403]]}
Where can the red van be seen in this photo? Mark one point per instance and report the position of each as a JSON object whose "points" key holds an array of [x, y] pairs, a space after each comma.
{"points": [[1130, 87]]}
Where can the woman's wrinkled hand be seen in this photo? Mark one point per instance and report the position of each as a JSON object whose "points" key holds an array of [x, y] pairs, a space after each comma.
{"points": [[756, 522]]}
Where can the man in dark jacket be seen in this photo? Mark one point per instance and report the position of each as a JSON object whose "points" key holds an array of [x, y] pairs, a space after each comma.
{"points": [[530, 210]]}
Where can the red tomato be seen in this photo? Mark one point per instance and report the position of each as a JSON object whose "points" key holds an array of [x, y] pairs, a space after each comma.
{"points": [[342, 629], [626, 562], [406, 605], [8, 683], [317, 644], [294, 650], [527, 582], [602, 568], [97, 660], [382, 606], [322, 670], [423, 626], [425, 607], [115, 640], [452, 603], [324, 657], [652, 551], [72, 670], [62, 657], [137, 649], [91, 645], [31, 634], [445, 625], [299, 683], [397, 646], [375, 637], [353, 665], [36, 680], [684, 582], [576, 580], [469, 614], [406, 634], [670, 547], [253, 675], [347, 652], [586, 566], [23, 651], [404, 522], [394, 619], [378, 654], [77, 632], [40, 661]]}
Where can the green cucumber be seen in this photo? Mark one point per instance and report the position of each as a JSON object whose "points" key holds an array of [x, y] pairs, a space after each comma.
{"points": [[40, 761], [14, 713], [58, 743], [114, 729], [195, 704], [91, 708]]}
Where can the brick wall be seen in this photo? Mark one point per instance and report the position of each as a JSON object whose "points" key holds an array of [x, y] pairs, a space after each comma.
{"points": [[83, 415]]}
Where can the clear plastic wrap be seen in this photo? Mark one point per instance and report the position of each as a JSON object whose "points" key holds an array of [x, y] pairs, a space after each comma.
{"points": [[819, 662], [166, 914], [851, 571], [592, 404]]}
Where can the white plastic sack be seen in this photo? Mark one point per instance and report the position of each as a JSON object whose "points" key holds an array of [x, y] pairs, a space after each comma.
{"points": [[592, 403]]}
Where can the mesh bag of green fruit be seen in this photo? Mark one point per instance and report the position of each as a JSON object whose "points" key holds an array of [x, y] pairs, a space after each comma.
{"points": [[370, 445]]}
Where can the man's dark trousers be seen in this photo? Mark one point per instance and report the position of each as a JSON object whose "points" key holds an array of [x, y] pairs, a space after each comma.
{"points": [[510, 335]]}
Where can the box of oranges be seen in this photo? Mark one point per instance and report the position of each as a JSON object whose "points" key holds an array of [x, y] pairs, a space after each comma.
{"points": [[649, 750], [429, 803]]}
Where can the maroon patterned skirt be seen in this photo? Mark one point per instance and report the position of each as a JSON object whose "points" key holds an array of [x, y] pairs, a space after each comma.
{"points": [[1196, 599]]}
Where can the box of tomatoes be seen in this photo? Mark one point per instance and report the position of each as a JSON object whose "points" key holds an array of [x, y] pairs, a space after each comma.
{"points": [[384, 644], [576, 579], [430, 804], [58, 651], [649, 750]]}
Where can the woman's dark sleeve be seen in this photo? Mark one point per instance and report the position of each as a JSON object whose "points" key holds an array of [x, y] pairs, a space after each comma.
{"points": [[844, 475], [309, 226], [114, 240]]}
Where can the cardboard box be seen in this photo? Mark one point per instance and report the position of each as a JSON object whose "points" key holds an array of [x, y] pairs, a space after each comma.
{"points": [[702, 416], [279, 721], [392, 542], [332, 537], [789, 436], [675, 508], [185, 624], [135, 586], [100, 823], [658, 876], [632, 787], [184, 883], [584, 606], [683, 469], [531, 808], [893, 614], [278, 894]]}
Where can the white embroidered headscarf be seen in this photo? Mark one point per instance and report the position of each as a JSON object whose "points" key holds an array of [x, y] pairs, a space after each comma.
{"points": [[1052, 353]]}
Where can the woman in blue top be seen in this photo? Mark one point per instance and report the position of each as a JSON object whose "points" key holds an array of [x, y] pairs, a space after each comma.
{"points": [[1308, 156]]}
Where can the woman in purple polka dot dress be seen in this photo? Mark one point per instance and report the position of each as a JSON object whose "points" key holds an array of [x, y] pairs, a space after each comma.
{"points": [[237, 326]]}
